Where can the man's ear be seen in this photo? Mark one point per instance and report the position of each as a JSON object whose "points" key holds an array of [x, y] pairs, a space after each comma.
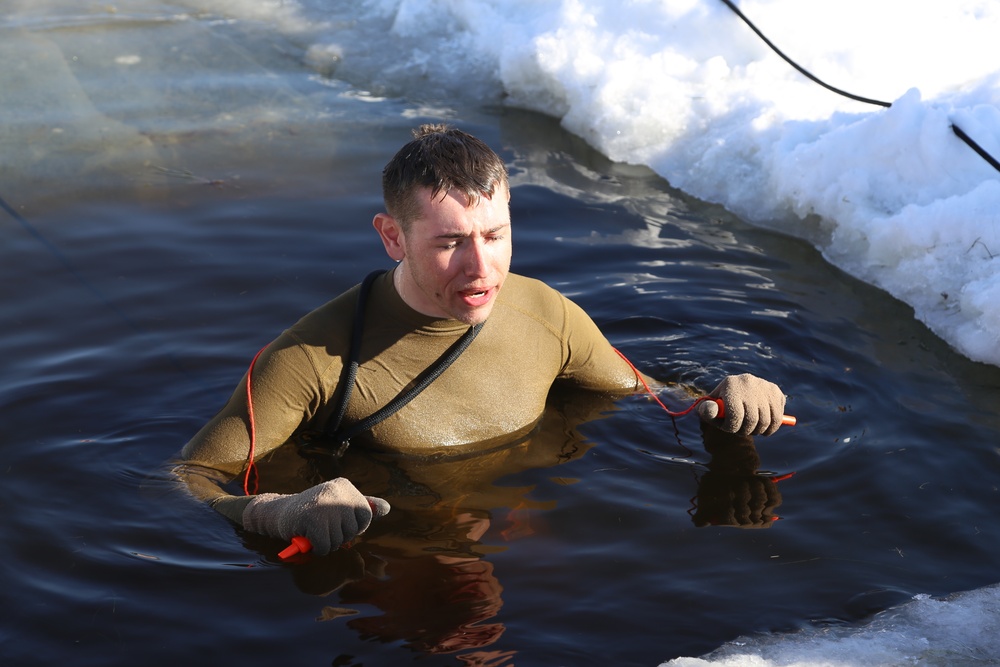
{"points": [[391, 233]]}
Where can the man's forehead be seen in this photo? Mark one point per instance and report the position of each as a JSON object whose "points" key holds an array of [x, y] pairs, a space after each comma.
{"points": [[461, 221], [428, 196], [458, 204]]}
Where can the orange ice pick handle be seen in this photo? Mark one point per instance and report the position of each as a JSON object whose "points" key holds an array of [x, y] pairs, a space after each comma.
{"points": [[786, 420], [302, 545], [298, 545]]}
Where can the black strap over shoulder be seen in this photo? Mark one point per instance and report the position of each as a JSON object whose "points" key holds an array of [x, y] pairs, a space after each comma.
{"points": [[350, 372], [341, 438]]}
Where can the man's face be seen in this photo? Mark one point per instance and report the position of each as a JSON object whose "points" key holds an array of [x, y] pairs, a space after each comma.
{"points": [[454, 258]]}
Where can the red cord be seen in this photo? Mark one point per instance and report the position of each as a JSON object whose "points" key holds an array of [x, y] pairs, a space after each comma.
{"points": [[251, 468], [786, 420], [657, 398]]}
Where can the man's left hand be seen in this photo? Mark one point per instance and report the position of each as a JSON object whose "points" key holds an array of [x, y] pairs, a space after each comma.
{"points": [[752, 406]]}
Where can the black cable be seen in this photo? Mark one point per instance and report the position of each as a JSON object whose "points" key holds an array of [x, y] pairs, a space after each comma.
{"points": [[974, 146], [405, 397], [956, 129], [354, 353], [802, 70]]}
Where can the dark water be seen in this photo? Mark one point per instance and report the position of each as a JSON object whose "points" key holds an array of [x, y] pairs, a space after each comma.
{"points": [[130, 316]]}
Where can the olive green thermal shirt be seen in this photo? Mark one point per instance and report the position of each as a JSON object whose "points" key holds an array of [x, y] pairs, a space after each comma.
{"points": [[498, 386]]}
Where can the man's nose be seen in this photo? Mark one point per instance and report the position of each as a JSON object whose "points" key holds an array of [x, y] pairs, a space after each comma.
{"points": [[476, 263]]}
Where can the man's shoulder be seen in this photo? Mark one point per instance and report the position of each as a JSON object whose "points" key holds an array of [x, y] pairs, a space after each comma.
{"points": [[333, 319], [518, 288], [522, 296]]}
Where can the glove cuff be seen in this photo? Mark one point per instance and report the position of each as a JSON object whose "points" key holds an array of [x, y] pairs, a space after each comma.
{"points": [[261, 513], [231, 507]]}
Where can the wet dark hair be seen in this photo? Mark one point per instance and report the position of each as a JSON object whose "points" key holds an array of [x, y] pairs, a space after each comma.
{"points": [[443, 159]]}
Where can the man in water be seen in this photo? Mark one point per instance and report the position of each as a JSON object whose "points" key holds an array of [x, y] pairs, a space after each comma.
{"points": [[447, 225]]}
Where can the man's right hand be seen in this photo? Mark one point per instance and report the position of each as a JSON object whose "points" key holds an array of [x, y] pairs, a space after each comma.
{"points": [[328, 514], [753, 406]]}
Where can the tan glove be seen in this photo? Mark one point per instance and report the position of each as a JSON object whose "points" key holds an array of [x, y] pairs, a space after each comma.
{"points": [[328, 514], [752, 406]]}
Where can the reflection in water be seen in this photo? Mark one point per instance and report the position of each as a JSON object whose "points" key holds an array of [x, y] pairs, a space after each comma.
{"points": [[432, 601], [435, 603], [733, 492], [418, 576]]}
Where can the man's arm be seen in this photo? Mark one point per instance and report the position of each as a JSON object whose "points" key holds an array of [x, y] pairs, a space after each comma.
{"points": [[221, 450], [754, 406], [284, 393]]}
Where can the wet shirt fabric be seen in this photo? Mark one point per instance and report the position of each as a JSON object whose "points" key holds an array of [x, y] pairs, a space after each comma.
{"points": [[534, 337]]}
